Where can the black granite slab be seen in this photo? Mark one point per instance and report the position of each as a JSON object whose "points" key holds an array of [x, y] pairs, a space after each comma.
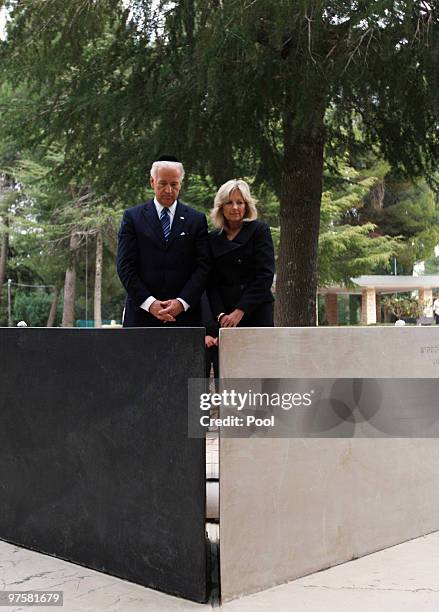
{"points": [[95, 463]]}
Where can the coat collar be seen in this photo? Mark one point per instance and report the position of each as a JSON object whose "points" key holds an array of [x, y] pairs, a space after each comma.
{"points": [[154, 227], [221, 245]]}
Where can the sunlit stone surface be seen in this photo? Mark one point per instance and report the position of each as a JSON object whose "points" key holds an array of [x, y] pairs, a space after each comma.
{"points": [[289, 507]]}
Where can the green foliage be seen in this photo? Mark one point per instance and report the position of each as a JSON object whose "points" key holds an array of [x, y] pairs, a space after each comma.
{"points": [[410, 211], [404, 307], [119, 82], [254, 89], [113, 294], [51, 209], [33, 306], [199, 192], [347, 250], [432, 265]]}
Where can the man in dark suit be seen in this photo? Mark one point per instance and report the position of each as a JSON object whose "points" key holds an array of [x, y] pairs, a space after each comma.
{"points": [[163, 254]]}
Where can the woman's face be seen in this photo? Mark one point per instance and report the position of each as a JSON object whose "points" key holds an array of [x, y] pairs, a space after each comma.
{"points": [[234, 208]]}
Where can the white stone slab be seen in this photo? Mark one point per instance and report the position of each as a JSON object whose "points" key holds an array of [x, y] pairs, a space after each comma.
{"points": [[290, 507]]}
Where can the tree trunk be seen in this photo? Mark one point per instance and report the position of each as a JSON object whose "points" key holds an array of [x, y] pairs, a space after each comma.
{"points": [[4, 247], [68, 315], [6, 183], [98, 281], [53, 308], [301, 193]]}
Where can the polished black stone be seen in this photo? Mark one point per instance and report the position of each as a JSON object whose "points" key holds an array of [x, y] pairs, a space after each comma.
{"points": [[96, 466]]}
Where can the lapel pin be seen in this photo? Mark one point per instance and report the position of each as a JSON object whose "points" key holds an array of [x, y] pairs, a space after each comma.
{"points": [[182, 218], [183, 234]]}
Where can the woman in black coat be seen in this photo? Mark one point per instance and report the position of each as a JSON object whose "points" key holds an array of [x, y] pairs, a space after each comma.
{"points": [[243, 260]]}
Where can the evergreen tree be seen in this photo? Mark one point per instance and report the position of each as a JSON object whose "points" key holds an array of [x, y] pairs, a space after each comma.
{"points": [[282, 84], [407, 210], [234, 88], [347, 250]]}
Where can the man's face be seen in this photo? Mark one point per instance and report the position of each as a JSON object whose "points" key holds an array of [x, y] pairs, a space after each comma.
{"points": [[166, 185]]}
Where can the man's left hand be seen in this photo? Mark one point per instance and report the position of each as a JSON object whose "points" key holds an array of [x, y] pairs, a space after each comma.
{"points": [[172, 307], [232, 319]]}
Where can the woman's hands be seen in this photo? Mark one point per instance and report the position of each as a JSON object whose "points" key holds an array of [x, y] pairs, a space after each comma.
{"points": [[232, 319], [210, 341]]}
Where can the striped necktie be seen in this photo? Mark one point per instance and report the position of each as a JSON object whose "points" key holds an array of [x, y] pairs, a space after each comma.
{"points": [[166, 224]]}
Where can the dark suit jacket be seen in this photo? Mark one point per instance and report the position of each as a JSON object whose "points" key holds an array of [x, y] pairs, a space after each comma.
{"points": [[242, 273], [207, 318], [149, 266]]}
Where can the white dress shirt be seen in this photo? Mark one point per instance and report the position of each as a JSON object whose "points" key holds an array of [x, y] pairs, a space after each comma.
{"points": [[171, 209]]}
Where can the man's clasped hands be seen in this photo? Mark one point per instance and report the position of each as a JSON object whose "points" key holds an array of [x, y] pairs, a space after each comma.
{"points": [[166, 310]]}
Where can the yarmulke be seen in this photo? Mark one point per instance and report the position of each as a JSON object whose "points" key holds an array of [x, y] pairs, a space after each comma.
{"points": [[169, 158]]}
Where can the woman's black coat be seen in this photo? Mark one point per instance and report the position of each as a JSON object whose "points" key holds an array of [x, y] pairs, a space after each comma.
{"points": [[242, 274]]}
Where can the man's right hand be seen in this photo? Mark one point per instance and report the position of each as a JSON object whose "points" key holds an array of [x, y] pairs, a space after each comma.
{"points": [[155, 309]]}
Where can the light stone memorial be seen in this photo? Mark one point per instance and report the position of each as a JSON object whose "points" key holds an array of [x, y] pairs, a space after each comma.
{"points": [[293, 506]]}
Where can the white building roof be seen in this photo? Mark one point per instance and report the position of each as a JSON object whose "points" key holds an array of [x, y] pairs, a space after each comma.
{"points": [[386, 283], [396, 283]]}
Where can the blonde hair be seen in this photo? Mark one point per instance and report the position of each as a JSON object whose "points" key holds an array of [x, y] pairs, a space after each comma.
{"points": [[223, 196]]}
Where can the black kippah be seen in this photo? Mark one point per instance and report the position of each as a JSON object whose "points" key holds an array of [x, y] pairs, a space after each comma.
{"points": [[169, 158]]}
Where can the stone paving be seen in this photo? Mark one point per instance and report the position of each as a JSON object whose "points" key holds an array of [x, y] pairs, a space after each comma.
{"points": [[404, 578]]}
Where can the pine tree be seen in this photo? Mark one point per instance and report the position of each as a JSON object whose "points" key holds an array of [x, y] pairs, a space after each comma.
{"points": [[261, 88]]}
